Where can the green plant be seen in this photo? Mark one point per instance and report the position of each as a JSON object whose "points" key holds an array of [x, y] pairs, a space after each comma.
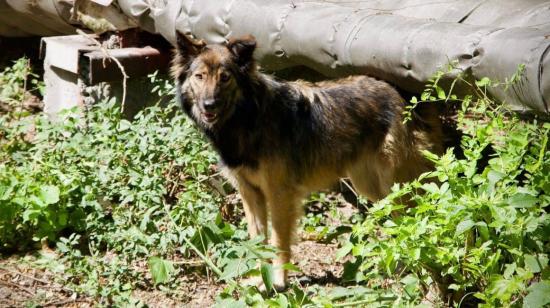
{"points": [[14, 81], [110, 194], [132, 204], [479, 230]]}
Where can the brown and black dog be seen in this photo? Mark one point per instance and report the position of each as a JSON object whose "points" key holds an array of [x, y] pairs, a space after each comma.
{"points": [[279, 141]]}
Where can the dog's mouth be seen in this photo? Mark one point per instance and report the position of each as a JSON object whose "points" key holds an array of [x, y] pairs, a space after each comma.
{"points": [[209, 117]]}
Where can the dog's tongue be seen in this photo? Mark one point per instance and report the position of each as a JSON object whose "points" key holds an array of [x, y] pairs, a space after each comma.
{"points": [[209, 115]]}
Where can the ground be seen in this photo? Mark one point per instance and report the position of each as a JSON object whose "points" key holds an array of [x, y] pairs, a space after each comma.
{"points": [[24, 285]]}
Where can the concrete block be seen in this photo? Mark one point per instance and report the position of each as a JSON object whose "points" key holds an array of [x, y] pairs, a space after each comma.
{"points": [[79, 73]]}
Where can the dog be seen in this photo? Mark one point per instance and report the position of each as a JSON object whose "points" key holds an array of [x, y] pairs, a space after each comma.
{"points": [[279, 141]]}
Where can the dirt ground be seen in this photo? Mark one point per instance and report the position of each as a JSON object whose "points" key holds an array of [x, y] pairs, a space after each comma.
{"points": [[22, 285]]}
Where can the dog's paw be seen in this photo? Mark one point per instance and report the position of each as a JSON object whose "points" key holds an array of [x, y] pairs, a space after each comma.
{"points": [[278, 285], [254, 281]]}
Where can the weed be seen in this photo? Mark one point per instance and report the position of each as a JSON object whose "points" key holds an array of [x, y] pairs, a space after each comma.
{"points": [[136, 205], [479, 230]]}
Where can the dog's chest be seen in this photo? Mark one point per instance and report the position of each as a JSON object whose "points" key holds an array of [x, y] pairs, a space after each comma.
{"points": [[253, 176], [236, 148], [240, 175]]}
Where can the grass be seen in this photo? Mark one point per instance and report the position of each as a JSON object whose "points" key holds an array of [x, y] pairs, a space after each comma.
{"points": [[111, 208]]}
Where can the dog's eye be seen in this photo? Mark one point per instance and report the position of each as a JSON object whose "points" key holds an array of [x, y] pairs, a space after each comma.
{"points": [[198, 76], [224, 77]]}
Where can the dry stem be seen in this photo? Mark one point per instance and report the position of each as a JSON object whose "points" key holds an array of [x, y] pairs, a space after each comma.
{"points": [[108, 55]]}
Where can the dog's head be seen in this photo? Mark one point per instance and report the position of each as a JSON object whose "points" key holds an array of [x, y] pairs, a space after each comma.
{"points": [[210, 77]]}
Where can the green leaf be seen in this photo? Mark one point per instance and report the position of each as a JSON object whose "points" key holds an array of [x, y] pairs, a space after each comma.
{"points": [[124, 125], [539, 295], [536, 263], [234, 268], [440, 92], [267, 275], [291, 267], [464, 226], [339, 293], [62, 218], [431, 188], [483, 82], [352, 272], [522, 200], [31, 214], [49, 194], [483, 230], [344, 251], [160, 269], [231, 302], [504, 288], [509, 270], [410, 283], [495, 176], [282, 301]]}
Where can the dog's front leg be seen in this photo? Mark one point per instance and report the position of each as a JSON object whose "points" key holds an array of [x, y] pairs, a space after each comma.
{"points": [[284, 206], [254, 208]]}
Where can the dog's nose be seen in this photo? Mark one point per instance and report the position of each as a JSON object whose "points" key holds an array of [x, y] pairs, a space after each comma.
{"points": [[209, 104]]}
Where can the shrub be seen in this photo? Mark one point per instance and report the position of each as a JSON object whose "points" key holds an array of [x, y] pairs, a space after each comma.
{"points": [[480, 230]]}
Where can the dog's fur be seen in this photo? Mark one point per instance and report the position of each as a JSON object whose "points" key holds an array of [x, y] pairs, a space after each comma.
{"points": [[279, 141]]}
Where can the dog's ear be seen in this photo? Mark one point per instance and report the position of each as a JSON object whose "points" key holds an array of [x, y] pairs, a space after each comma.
{"points": [[188, 47], [243, 49]]}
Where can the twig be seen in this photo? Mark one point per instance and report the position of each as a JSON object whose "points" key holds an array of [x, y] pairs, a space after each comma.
{"points": [[208, 177], [463, 297], [27, 70], [107, 54], [67, 301], [349, 187], [207, 260], [7, 283], [359, 303], [24, 275], [45, 282], [203, 257], [191, 262], [204, 247]]}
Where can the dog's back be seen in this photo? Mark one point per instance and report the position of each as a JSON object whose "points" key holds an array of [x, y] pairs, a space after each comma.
{"points": [[351, 127]]}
